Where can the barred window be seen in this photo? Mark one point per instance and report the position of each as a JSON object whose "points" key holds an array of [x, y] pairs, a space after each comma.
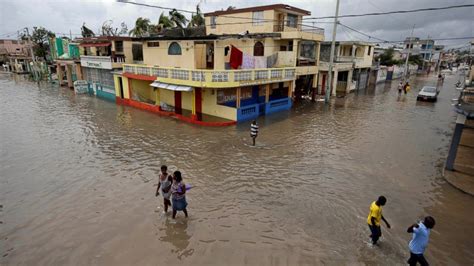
{"points": [[257, 18]]}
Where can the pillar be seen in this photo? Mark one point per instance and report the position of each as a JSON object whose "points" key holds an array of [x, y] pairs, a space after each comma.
{"points": [[267, 93], [78, 71], [453, 150], [69, 76], [314, 87], [349, 81], [157, 97], [291, 88], [59, 70], [334, 83], [193, 106], [237, 103]]}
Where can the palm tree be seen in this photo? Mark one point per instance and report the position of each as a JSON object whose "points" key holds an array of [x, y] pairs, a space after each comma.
{"points": [[142, 26], [197, 20], [178, 19], [86, 32], [164, 22]]}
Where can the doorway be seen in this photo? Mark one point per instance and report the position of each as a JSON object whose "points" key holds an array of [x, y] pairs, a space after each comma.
{"points": [[177, 103], [121, 87], [258, 49]]}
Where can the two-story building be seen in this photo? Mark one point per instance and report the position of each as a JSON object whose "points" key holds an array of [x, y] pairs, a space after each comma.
{"points": [[102, 56], [66, 57], [245, 63], [351, 68], [15, 55]]}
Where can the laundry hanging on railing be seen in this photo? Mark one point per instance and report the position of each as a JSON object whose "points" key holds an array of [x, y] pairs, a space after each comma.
{"points": [[248, 62], [260, 61], [272, 60], [235, 57]]}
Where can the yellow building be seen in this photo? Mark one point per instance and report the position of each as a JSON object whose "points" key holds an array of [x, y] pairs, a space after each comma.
{"points": [[245, 63]]}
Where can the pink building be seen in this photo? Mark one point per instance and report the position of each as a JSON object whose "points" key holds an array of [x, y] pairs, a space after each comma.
{"points": [[14, 55]]}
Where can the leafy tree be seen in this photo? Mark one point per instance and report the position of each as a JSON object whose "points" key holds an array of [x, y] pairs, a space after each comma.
{"points": [[197, 20], [386, 58], [178, 19], [108, 30], [230, 8], [415, 59], [86, 32], [164, 22], [39, 37], [123, 29], [142, 26]]}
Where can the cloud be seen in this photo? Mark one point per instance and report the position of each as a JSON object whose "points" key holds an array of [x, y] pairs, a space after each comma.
{"points": [[65, 16]]}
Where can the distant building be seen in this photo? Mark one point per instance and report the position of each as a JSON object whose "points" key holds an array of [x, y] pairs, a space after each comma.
{"points": [[352, 63], [15, 55]]}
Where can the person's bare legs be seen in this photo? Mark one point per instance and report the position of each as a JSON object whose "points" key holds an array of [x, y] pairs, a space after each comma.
{"points": [[166, 203], [185, 213], [174, 214]]}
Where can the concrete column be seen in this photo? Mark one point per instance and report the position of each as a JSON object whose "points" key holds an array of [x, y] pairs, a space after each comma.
{"points": [[193, 106], [59, 71], [334, 83], [78, 71], [267, 93], [314, 87], [453, 150], [238, 98], [69, 76], [157, 97], [349, 81], [291, 87]]}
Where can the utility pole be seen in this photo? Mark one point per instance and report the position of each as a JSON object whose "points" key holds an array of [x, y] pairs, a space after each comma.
{"points": [[408, 53], [70, 35], [331, 56], [30, 44]]}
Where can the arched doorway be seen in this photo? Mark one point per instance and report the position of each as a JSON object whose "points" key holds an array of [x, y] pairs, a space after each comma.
{"points": [[258, 49]]}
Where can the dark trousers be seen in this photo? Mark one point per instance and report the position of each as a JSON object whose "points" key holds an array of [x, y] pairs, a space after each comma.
{"points": [[415, 258], [376, 233]]}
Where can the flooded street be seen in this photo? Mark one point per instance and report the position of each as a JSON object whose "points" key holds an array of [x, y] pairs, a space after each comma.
{"points": [[78, 178]]}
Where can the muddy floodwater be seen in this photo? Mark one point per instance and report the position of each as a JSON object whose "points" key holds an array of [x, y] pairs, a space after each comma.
{"points": [[78, 177]]}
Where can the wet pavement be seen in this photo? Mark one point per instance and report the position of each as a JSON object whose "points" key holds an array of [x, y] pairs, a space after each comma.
{"points": [[78, 177]]}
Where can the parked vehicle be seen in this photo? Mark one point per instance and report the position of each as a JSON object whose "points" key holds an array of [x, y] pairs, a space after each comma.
{"points": [[428, 93]]}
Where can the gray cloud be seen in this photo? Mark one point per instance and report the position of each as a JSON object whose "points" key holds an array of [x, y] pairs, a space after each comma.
{"points": [[65, 16]]}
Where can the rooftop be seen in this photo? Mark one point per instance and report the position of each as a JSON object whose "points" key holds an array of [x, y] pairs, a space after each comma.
{"points": [[258, 8]]}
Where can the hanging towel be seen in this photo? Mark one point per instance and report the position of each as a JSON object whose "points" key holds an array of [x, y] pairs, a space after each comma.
{"points": [[248, 62], [260, 61], [235, 57], [271, 60]]}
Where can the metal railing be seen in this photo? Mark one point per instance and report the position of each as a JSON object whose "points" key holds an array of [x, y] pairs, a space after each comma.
{"points": [[300, 27], [221, 76]]}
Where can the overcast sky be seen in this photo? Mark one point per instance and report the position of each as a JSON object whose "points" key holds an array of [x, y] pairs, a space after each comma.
{"points": [[61, 16]]}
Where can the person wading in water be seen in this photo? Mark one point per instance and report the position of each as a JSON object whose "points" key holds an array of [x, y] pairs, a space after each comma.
{"points": [[375, 216], [253, 131]]}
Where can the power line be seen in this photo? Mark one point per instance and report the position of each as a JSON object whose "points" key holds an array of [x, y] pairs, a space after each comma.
{"points": [[437, 39], [394, 12], [365, 34]]}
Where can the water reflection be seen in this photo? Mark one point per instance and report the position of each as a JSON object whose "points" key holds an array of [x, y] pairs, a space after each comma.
{"points": [[176, 234]]}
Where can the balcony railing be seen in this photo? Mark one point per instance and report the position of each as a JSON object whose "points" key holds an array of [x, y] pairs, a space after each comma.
{"points": [[303, 28], [213, 78], [356, 59]]}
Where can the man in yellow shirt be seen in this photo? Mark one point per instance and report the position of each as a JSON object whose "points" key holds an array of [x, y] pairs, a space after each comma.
{"points": [[375, 215]]}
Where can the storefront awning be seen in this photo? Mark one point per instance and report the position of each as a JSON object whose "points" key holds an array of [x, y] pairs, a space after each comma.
{"points": [[94, 44], [170, 87]]}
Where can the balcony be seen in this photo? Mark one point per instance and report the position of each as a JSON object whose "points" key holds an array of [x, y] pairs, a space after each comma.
{"points": [[300, 32], [102, 62], [212, 78]]}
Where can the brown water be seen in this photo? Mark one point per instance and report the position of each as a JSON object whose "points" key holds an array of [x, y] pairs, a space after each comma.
{"points": [[78, 176]]}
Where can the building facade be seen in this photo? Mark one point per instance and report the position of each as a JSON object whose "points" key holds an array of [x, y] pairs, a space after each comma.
{"points": [[15, 55], [352, 63], [102, 56], [228, 72]]}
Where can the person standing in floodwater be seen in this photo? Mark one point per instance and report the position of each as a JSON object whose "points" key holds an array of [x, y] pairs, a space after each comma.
{"points": [[164, 182], [406, 88], [400, 87], [419, 241], [178, 193], [253, 131], [375, 216]]}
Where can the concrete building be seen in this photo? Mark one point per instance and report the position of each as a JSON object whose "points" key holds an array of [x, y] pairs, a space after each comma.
{"points": [[15, 55], [102, 56], [245, 63], [352, 63], [66, 57]]}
